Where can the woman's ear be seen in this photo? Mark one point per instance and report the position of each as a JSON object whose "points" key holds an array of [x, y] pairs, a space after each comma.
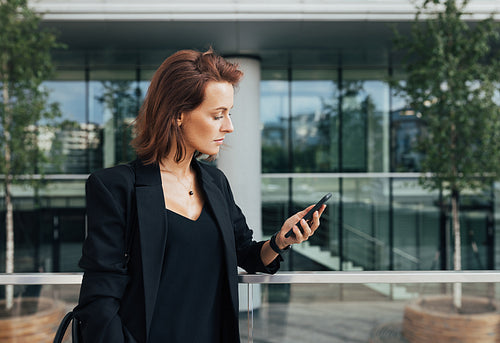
{"points": [[180, 118]]}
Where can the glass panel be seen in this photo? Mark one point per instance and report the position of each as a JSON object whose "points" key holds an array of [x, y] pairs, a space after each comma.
{"points": [[423, 237], [146, 76], [275, 204], [62, 225], [70, 94], [339, 313], [421, 234], [321, 250], [279, 201], [274, 111], [67, 146], [314, 120], [495, 230], [37, 312], [308, 313], [417, 227], [49, 227], [114, 104], [365, 121], [365, 224], [476, 229], [406, 129]]}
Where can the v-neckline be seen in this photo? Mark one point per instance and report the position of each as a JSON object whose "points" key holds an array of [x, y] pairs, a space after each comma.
{"points": [[187, 218]]}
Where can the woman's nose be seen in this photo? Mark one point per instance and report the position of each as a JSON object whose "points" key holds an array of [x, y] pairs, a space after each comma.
{"points": [[227, 125]]}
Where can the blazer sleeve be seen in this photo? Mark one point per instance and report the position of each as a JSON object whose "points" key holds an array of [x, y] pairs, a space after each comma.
{"points": [[103, 260], [247, 250]]}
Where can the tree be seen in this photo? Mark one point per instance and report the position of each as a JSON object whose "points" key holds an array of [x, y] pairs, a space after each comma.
{"points": [[25, 61], [452, 79]]}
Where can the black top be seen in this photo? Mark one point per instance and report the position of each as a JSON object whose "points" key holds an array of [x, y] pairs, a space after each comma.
{"points": [[194, 268]]}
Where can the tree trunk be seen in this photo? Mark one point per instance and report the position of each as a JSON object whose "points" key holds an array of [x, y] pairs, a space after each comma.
{"points": [[9, 214], [9, 242], [457, 256]]}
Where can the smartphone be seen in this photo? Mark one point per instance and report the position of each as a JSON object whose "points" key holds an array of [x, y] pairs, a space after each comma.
{"points": [[309, 214]]}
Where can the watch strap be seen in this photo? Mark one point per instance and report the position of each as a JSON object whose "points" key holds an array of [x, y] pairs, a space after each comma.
{"points": [[275, 247]]}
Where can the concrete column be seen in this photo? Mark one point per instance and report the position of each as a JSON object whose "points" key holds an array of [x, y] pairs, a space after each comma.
{"points": [[240, 157]]}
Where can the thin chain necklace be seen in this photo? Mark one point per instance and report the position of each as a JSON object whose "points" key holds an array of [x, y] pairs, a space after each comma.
{"points": [[189, 189]]}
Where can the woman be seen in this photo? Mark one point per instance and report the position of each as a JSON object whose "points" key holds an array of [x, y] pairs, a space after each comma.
{"points": [[165, 236]]}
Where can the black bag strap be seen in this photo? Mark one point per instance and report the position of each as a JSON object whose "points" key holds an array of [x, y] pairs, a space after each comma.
{"points": [[64, 326], [75, 330]]}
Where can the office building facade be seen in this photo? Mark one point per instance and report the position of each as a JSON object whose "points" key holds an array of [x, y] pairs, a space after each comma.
{"points": [[314, 114]]}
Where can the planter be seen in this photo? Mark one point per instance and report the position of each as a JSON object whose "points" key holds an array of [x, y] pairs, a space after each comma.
{"points": [[31, 320], [433, 319]]}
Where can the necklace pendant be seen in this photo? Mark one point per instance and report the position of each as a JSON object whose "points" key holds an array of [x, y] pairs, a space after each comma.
{"points": [[191, 192]]}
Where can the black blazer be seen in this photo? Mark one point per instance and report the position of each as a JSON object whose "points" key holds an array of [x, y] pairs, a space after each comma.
{"points": [[126, 203]]}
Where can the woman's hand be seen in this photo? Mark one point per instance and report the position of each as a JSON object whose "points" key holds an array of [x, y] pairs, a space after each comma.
{"points": [[298, 236], [268, 254]]}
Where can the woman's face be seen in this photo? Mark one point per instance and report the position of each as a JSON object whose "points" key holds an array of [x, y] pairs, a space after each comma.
{"points": [[205, 127]]}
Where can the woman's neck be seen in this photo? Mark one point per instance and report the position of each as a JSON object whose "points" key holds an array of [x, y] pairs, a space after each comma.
{"points": [[181, 168]]}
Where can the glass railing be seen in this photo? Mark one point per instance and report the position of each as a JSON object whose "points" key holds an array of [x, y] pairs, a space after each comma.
{"points": [[40, 302], [292, 306], [370, 307]]}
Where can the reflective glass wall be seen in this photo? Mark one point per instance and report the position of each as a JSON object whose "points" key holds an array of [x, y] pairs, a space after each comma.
{"points": [[339, 128], [331, 126], [99, 95]]}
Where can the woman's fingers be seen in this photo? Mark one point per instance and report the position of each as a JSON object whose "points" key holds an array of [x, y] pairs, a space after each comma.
{"points": [[315, 220], [322, 209], [299, 215], [307, 228], [302, 233]]}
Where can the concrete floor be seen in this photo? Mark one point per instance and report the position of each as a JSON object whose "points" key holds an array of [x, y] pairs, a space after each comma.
{"points": [[322, 314], [339, 322]]}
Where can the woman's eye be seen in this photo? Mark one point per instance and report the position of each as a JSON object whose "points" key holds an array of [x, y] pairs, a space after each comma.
{"points": [[218, 117]]}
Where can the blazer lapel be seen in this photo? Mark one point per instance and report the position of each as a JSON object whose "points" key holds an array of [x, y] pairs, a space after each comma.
{"points": [[218, 203], [153, 232]]}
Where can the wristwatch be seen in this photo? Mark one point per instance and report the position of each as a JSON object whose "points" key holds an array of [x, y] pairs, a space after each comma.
{"points": [[275, 247]]}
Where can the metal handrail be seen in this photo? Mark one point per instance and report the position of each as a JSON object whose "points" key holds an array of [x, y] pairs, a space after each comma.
{"points": [[355, 175], [363, 277], [345, 277]]}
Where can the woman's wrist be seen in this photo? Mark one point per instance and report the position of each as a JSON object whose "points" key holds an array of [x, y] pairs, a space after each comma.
{"points": [[277, 247], [280, 243]]}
